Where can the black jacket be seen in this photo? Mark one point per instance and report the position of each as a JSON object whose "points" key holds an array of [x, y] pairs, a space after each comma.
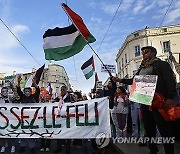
{"points": [[34, 98], [166, 84], [69, 99], [110, 92]]}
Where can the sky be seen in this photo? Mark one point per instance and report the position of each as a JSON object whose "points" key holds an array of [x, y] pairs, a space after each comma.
{"points": [[28, 20]]}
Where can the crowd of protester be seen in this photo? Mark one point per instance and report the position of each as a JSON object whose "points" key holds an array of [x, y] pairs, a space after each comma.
{"points": [[125, 116]]}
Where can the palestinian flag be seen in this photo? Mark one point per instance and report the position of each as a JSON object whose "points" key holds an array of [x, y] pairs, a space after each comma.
{"points": [[79, 24], [88, 68], [62, 43], [37, 75]]}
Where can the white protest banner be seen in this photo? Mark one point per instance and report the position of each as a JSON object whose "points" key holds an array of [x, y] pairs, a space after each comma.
{"points": [[111, 68], [85, 119], [143, 89]]}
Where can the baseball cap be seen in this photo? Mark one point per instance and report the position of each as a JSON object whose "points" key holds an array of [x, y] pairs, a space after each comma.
{"points": [[149, 47]]}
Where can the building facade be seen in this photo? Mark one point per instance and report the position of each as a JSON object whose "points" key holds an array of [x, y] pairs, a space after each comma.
{"points": [[164, 39], [57, 76]]}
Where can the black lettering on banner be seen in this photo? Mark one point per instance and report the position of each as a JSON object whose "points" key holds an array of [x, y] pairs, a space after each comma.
{"points": [[44, 118], [69, 115], [23, 117], [96, 123], [5, 117], [34, 118], [79, 115], [18, 118]]}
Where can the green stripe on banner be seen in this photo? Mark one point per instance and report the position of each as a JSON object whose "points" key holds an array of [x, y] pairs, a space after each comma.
{"points": [[141, 98], [89, 74]]}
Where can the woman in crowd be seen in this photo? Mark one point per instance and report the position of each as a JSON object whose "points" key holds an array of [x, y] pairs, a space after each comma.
{"points": [[121, 110]]}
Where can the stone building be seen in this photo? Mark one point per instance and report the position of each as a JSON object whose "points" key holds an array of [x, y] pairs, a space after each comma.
{"points": [[57, 76], [165, 39], [54, 74]]}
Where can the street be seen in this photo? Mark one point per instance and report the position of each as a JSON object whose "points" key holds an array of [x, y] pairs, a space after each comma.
{"points": [[73, 150]]}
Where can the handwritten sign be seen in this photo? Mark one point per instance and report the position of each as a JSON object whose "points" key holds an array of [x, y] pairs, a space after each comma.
{"points": [[143, 89]]}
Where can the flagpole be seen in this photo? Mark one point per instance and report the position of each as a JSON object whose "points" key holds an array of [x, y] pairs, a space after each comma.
{"points": [[87, 41], [98, 57]]}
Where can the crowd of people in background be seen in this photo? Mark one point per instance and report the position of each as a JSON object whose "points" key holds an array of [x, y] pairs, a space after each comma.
{"points": [[127, 118], [118, 104]]}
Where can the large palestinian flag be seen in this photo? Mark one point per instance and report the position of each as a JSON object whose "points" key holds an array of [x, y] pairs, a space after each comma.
{"points": [[62, 43]]}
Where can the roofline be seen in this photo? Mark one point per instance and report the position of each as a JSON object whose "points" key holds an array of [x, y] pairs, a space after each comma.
{"points": [[139, 37]]}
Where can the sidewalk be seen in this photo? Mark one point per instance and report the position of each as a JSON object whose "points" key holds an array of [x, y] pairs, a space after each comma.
{"points": [[135, 149]]}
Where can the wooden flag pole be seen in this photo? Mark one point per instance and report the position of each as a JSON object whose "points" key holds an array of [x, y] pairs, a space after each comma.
{"points": [[99, 58]]}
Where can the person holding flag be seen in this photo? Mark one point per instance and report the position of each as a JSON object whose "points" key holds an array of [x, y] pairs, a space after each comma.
{"points": [[28, 97], [163, 98]]}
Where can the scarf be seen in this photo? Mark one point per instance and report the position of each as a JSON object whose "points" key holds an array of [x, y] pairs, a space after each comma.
{"points": [[168, 114], [148, 62], [61, 102]]}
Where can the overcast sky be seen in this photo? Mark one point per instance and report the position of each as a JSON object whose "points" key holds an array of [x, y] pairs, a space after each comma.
{"points": [[30, 19]]}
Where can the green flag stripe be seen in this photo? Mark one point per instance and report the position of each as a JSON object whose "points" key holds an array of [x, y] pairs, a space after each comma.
{"points": [[88, 75], [65, 52], [141, 98]]}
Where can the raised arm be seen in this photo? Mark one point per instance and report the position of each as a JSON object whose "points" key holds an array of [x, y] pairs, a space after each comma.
{"points": [[125, 81], [20, 93]]}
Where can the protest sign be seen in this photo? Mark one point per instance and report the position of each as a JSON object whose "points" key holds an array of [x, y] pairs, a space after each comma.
{"points": [[143, 89], [85, 119], [111, 68]]}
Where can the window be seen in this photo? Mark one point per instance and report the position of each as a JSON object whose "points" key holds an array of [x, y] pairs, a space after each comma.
{"points": [[136, 34], [166, 46], [122, 63], [164, 30], [134, 72], [125, 58], [137, 50], [126, 71]]}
